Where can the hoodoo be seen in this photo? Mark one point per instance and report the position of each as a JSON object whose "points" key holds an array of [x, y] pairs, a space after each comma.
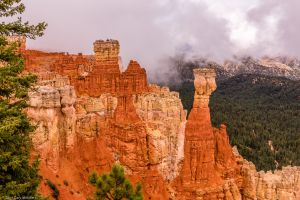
{"points": [[209, 168], [199, 147]]}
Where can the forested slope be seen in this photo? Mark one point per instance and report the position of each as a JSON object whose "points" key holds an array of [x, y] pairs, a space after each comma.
{"points": [[262, 115]]}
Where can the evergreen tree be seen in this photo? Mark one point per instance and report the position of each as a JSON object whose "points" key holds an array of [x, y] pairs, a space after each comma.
{"points": [[114, 186], [18, 177]]}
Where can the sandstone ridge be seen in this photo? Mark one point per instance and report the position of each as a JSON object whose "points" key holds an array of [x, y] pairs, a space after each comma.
{"points": [[90, 114]]}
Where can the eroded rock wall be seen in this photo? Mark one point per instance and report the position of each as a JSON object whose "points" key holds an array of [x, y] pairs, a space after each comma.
{"points": [[165, 120], [52, 111], [90, 114], [70, 135], [281, 184], [84, 108]]}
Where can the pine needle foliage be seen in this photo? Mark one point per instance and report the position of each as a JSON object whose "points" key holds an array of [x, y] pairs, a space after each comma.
{"points": [[18, 176], [115, 186]]}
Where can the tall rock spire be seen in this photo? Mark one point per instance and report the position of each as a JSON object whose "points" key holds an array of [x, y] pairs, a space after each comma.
{"points": [[209, 162], [199, 161]]}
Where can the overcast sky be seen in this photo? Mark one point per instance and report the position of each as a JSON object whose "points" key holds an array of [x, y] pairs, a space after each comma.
{"points": [[150, 30]]}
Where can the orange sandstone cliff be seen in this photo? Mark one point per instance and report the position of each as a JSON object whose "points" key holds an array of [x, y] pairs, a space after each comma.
{"points": [[90, 114]]}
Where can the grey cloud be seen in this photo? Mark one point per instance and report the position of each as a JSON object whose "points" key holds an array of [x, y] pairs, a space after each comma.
{"points": [[285, 39], [289, 28], [147, 30]]}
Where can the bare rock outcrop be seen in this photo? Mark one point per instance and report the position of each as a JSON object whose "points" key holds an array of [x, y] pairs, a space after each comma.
{"points": [[281, 184]]}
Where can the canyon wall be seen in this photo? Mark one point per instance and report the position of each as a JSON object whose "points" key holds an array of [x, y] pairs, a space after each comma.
{"points": [[90, 114]]}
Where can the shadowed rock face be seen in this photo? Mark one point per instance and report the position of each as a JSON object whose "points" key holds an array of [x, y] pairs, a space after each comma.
{"points": [[89, 114]]}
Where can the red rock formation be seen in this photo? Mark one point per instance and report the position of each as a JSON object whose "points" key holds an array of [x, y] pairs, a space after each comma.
{"points": [[199, 162], [207, 152], [132, 146], [118, 133], [89, 114], [91, 75]]}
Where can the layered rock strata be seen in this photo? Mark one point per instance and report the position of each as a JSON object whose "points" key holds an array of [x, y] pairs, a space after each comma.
{"points": [[90, 114]]}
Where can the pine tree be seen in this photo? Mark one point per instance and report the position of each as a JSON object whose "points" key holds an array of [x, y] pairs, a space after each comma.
{"points": [[114, 186], [18, 176]]}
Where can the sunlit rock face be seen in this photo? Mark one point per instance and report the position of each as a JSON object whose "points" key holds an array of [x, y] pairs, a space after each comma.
{"points": [[52, 110], [165, 120], [281, 184], [90, 114]]}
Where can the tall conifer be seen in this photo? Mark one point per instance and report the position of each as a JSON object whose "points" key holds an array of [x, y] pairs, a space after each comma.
{"points": [[18, 176]]}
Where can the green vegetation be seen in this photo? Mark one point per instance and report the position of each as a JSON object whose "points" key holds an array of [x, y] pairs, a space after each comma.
{"points": [[114, 186], [53, 187], [262, 115], [263, 118], [186, 94], [18, 177]]}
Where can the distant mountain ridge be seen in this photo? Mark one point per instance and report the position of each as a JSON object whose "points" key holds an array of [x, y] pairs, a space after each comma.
{"points": [[181, 68], [277, 66]]}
